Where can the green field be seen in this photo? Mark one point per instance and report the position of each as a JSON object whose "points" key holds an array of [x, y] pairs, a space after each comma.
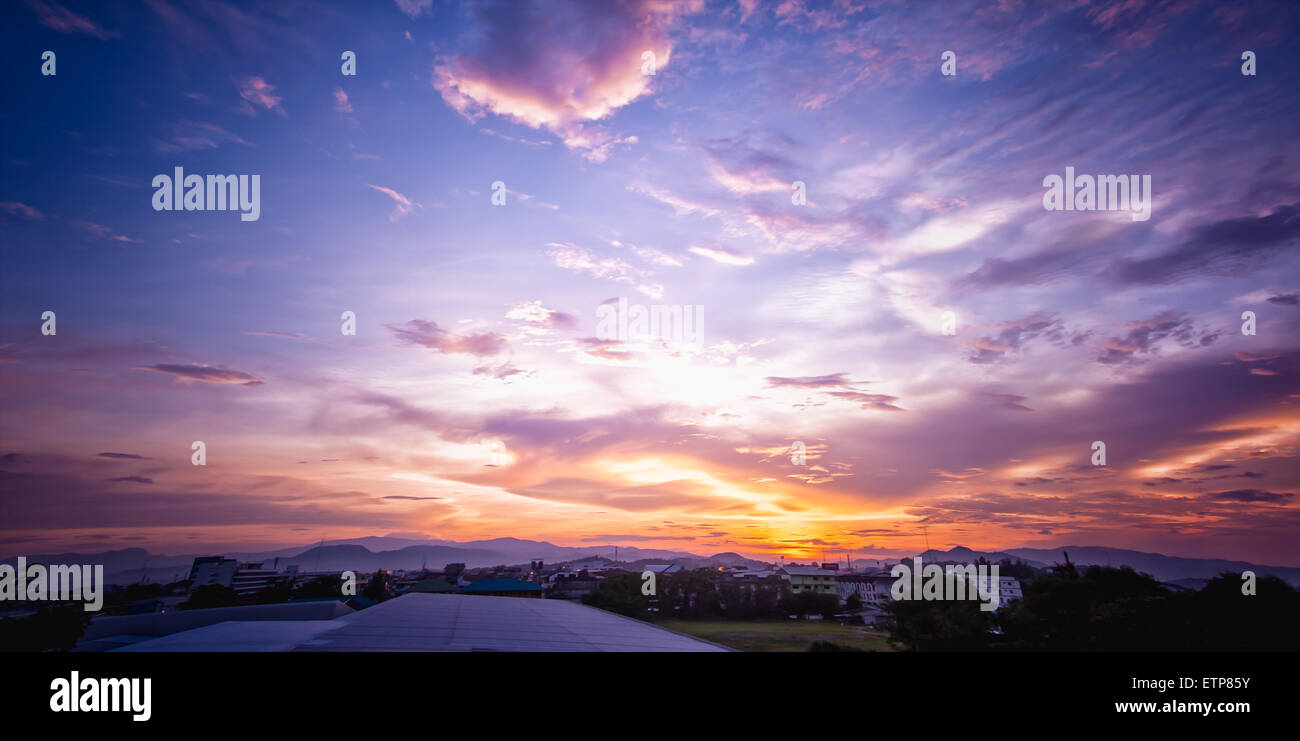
{"points": [[779, 635]]}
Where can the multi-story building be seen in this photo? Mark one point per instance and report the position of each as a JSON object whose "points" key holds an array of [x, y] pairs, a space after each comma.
{"points": [[808, 579], [208, 570], [847, 585], [872, 589], [571, 585], [877, 589], [1008, 589], [226, 572], [251, 578]]}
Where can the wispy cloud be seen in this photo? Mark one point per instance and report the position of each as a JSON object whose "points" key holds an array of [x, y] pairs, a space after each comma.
{"points": [[59, 18], [414, 8], [722, 255], [341, 102], [428, 334], [256, 91], [21, 210], [404, 206], [188, 136]]}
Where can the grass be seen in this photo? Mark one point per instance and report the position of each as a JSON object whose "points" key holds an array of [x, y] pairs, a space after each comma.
{"points": [[779, 635]]}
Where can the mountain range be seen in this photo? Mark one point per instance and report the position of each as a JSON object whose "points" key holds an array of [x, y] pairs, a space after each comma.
{"points": [[130, 565], [1185, 571]]}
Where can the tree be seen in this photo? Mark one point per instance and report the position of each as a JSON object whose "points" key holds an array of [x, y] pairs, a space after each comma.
{"points": [[691, 595], [378, 587], [767, 600], [1224, 618], [53, 628], [939, 625], [811, 603], [273, 594], [1100, 608], [620, 593], [321, 586], [1017, 569], [208, 596]]}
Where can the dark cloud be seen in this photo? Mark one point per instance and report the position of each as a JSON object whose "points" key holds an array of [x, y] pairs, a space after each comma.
{"points": [[1249, 495], [1144, 336], [1013, 335], [56, 500], [204, 374], [1222, 247]]}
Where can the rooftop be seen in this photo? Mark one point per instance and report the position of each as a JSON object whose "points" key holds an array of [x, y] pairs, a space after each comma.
{"points": [[441, 622], [807, 571]]}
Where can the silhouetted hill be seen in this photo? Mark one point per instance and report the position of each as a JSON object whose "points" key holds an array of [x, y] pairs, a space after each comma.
{"points": [[1162, 567], [1172, 569], [129, 565]]}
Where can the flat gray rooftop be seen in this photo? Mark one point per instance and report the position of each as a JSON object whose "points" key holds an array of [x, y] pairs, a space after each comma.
{"points": [[441, 622]]}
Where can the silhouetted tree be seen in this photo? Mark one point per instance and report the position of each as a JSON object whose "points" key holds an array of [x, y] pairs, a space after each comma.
{"points": [[209, 595], [52, 628], [379, 587], [620, 593], [273, 594], [810, 603], [321, 586], [939, 625]]}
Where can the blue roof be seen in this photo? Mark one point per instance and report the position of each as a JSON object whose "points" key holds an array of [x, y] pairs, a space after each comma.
{"points": [[502, 585], [438, 622]]}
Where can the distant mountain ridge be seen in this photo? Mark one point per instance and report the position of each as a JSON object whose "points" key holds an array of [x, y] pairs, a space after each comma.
{"points": [[130, 565], [1173, 569], [1162, 567]]}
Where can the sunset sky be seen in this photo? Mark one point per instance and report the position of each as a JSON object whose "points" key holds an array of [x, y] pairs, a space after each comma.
{"points": [[476, 401]]}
